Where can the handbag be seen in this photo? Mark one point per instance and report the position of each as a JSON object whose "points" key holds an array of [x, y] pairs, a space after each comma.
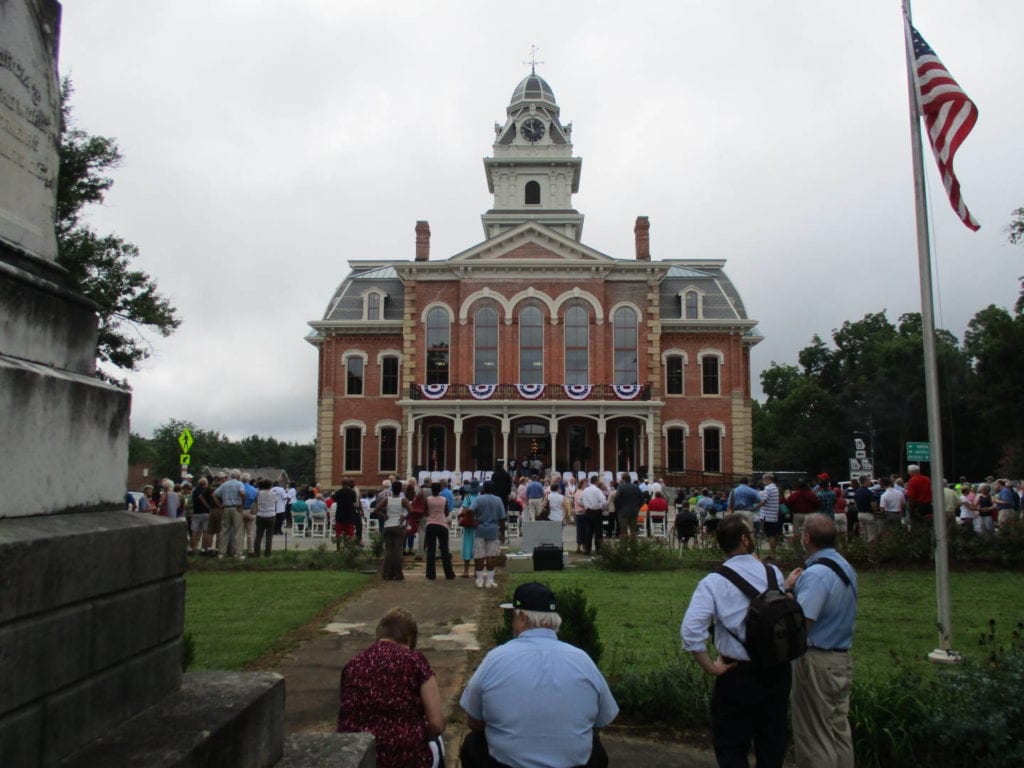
{"points": [[466, 518]]}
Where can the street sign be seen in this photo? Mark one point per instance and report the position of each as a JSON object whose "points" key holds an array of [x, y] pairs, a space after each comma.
{"points": [[919, 452], [185, 460], [860, 467], [186, 441], [861, 454], [858, 444]]}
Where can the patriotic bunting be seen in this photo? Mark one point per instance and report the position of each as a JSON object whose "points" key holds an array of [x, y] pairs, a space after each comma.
{"points": [[626, 391], [578, 391], [482, 391], [530, 391], [434, 391]]}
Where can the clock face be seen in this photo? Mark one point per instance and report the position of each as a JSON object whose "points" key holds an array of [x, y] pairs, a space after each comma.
{"points": [[533, 130]]}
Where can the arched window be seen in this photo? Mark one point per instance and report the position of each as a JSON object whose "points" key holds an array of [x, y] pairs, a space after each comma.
{"points": [[712, 449], [674, 379], [710, 384], [691, 305], [438, 344], [531, 346], [373, 306], [532, 196], [624, 322], [485, 369], [577, 346], [675, 439]]}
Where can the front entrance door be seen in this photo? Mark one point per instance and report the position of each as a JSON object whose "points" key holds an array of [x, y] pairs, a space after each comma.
{"points": [[532, 443]]}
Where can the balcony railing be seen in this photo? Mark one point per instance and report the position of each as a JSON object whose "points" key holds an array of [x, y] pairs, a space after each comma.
{"points": [[527, 392]]}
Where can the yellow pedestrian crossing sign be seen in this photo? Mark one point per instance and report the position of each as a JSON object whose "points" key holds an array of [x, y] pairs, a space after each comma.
{"points": [[185, 460], [186, 441]]}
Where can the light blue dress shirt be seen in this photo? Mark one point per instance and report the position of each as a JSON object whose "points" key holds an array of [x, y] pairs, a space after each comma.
{"points": [[230, 492], [718, 599], [541, 699], [828, 602]]}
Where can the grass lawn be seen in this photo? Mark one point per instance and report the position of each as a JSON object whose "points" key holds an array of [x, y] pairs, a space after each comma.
{"points": [[639, 614], [235, 617]]}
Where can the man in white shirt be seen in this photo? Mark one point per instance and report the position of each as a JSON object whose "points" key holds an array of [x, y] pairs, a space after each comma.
{"points": [[593, 500], [749, 704], [892, 504]]}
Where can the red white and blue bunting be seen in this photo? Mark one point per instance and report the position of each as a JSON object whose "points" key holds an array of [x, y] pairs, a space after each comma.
{"points": [[578, 391], [482, 391], [530, 391], [434, 391], [626, 391]]}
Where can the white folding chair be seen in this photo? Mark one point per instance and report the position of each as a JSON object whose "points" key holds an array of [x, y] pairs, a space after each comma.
{"points": [[659, 528], [318, 527], [641, 525]]}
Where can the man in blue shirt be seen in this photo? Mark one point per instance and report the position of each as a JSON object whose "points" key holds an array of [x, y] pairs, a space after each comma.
{"points": [[744, 498], [489, 512], [231, 494], [536, 702], [826, 589], [534, 499]]}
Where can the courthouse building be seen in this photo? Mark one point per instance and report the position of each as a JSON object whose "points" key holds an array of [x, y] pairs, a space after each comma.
{"points": [[531, 344]]}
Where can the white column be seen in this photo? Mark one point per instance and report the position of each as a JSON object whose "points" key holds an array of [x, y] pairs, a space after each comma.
{"points": [[650, 445], [600, 451], [409, 431], [458, 448]]}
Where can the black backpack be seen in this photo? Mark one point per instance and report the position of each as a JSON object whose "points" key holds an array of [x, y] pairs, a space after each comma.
{"points": [[775, 628]]}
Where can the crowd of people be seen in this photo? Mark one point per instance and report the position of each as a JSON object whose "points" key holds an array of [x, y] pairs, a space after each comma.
{"points": [[863, 507]]}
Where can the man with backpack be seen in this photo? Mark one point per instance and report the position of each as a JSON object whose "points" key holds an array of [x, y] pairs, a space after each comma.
{"points": [[751, 693], [826, 588]]}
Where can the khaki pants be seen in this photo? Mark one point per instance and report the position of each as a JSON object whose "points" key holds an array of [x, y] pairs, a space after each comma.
{"points": [[821, 706], [231, 532]]}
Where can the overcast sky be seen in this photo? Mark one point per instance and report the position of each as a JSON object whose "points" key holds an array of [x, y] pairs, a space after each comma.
{"points": [[267, 143]]}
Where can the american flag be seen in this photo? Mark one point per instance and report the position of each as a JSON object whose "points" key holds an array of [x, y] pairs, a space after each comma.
{"points": [[948, 115]]}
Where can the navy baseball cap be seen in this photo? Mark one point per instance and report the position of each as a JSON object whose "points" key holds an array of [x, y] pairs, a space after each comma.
{"points": [[532, 596]]}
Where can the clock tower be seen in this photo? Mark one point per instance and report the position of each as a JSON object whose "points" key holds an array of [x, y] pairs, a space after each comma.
{"points": [[532, 173]]}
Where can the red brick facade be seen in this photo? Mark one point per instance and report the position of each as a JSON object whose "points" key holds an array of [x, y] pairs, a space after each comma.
{"points": [[541, 346]]}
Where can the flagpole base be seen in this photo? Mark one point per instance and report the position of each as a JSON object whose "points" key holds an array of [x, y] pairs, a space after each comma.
{"points": [[943, 656]]}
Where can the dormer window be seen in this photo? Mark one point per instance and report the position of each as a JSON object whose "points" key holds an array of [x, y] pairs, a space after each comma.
{"points": [[373, 305], [532, 193], [692, 300]]}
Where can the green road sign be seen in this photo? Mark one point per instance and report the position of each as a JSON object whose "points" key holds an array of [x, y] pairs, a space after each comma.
{"points": [[919, 452], [185, 440], [185, 460]]}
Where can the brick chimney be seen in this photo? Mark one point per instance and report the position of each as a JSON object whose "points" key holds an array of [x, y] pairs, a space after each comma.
{"points": [[422, 241], [642, 231]]}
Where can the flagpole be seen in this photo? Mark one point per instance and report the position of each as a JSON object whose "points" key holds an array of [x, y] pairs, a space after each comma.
{"points": [[944, 653]]}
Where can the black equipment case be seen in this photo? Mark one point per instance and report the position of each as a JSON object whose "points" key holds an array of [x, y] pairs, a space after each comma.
{"points": [[547, 557]]}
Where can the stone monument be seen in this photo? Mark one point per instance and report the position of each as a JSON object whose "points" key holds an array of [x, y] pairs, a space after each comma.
{"points": [[91, 597]]}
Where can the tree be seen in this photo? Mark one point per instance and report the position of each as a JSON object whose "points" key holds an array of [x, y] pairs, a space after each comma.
{"points": [[871, 381], [100, 266], [1015, 234]]}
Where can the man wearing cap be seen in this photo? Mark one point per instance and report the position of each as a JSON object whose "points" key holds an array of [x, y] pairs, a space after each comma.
{"points": [[536, 702]]}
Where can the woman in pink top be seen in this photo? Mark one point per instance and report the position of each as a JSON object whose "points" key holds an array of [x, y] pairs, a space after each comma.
{"points": [[437, 533]]}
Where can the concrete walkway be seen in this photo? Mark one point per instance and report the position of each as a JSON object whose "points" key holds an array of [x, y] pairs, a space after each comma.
{"points": [[448, 614]]}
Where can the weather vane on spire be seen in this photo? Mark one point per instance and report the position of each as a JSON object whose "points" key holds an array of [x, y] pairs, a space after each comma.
{"points": [[533, 60]]}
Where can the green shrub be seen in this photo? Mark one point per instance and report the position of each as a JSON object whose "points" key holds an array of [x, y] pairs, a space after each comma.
{"points": [[968, 714], [579, 623], [637, 555], [675, 692]]}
